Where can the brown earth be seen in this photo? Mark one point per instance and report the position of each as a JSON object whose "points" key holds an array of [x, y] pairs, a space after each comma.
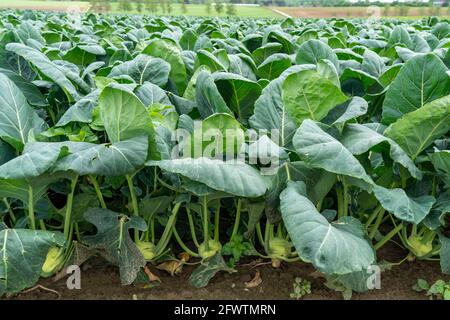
{"points": [[100, 281], [344, 12]]}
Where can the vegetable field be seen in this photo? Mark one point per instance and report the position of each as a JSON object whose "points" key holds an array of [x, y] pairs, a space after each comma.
{"points": [[192, 145]]}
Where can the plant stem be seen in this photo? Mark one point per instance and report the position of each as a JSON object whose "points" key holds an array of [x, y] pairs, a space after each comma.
{"points": [[340, 201], [152, 230], [165, 238], [10, 212], [134, 203], [205, 223], [345, 196], [98, 191], [259, 234], [183, 245], [68, 215], [31, 217], [388, 237], [42, 225], [374, 229], [374, 214], [267, 237], [237, 219], [216, 222], [192, 227]]}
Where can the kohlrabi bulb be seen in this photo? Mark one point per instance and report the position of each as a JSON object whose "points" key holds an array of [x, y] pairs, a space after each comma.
{"points": [[213, 247], [147, 249], [53, 262]]}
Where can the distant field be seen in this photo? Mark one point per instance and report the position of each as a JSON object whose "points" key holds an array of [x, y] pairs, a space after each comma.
{"points": [[328, 12], [192, 9], [43, 5], [200, 10]]}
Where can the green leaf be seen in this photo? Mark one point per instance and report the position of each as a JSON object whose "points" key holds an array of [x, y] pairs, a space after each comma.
{"points": [[349, 110], [46, 67], [22, 255], [238, 92], [29, 90], [274, 66], [169, 51], [103, 159], [234, 177], [402, 206], [123, 114], [144, 68], [308, 95], [207, 96], [333, 248], [206, 142], [415, 131], [320, 150], [114, 241], [19, 189], [270, 112], [360, 138], [32, 163], [312, 51], [421, 80], [17, 118], [207, 270], [441, 162], [81, 111]]}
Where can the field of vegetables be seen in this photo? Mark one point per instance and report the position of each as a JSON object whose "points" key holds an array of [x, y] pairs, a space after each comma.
{"points": [[198, 145]]}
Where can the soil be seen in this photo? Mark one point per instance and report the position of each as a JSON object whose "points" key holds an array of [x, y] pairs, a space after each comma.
{"points": [[101, 281]]}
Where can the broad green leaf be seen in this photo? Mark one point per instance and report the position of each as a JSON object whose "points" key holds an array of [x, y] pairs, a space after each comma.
{"points": [[312, 51], [207, 270], [29, 90], [372, 63], [81, 111], [238, 92], [46, 67], [17, 118], [441, 162], [207, 96], [144, 68], [114, 241], [420, 81], [234, 177], [207, 59], [320, 150], [123, 114], [308, 95], [115, 159], [6, 152], [360, 138], [22, 255], [402, 206], [168, 51], [274, 66], [333, 248], [349, 110], [19, 189], [219, 134], [32, 163], [150, 94], [262, 53], [188, 39], [415, 131], [270, 112]]}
